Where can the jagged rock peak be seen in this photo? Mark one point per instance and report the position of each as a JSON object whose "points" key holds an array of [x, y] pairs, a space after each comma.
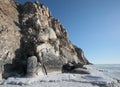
{"points": [[33, 42]]}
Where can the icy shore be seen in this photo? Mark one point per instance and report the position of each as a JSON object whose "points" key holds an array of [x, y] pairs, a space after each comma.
{"points": [[96, 78]]}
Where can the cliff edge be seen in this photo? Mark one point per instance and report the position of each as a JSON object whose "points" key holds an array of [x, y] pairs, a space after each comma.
{"points": [[33, 42]]}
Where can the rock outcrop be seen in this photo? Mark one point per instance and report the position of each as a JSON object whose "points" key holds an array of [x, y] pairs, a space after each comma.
{"points": [[9, 33], [33, 42]]}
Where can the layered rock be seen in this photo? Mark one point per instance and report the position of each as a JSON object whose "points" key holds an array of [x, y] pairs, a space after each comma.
{"points": [[9, 33], [34, 40]]}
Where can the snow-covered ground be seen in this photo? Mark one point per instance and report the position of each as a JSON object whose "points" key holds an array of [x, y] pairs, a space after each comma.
{"points": [[95, 79]]}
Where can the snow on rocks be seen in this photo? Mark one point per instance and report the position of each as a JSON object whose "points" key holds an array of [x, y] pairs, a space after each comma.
{"points": [[95, 79]]}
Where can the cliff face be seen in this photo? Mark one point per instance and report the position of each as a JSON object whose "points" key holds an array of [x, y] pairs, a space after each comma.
{"points": [[33, 42], [9, 33]]}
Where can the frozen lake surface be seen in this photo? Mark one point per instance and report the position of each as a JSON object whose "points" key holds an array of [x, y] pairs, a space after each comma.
{"points": [[112, 70], [99, 77]]}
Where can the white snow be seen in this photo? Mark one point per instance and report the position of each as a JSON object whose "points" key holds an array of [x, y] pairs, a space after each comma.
{"points": [[95, 79]]}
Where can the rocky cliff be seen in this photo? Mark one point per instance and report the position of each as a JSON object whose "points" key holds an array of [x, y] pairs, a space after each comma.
{"points": [[33, 42]]}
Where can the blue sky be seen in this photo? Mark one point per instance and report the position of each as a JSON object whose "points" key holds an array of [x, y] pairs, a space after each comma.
{"points": [[93, 25]]}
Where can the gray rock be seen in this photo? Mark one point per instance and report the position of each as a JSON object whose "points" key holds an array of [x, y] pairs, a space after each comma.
{"points": [[68, 56], [31, 66], [52, 35], [81, 56], [74, 68], [46, 34], [80, 71], [1, 70], [40, 71], [35, 39], [51, 63]]}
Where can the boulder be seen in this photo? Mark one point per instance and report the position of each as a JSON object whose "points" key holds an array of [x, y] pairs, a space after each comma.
{"points": [[80, 71], [31, 66], [74, 68], [70, 66], [52, 63]]}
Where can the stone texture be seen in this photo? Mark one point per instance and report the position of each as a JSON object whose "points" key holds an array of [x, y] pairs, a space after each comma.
{"points": [[1, 70], [81, 56], [52, 63], [9, 33], [31, 66], [33, 42]]}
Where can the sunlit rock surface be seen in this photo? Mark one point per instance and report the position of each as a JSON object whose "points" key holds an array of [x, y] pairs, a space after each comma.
{"points": [[32, 41]]}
